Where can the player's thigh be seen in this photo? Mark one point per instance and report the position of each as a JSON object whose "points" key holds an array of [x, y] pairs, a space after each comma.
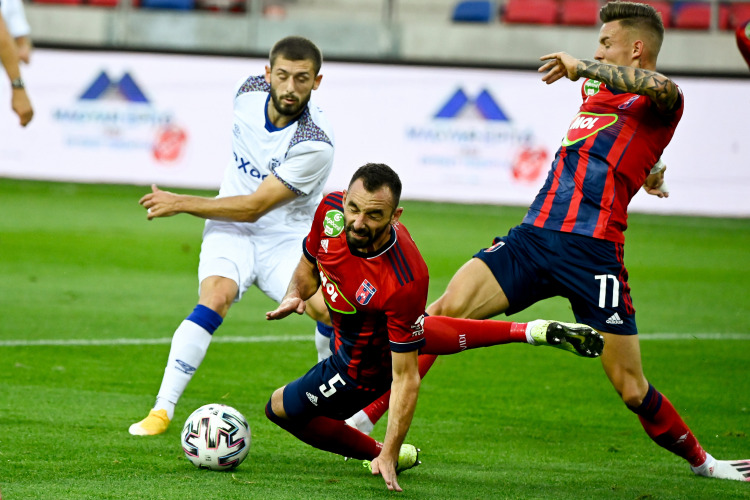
{"points": [[324, 391], [276, 258], [227, 252], [594, 279], [473, 292]]}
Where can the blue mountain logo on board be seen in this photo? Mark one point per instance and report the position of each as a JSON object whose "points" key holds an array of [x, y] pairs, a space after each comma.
{"points": [[484, 103], [103, 87]]}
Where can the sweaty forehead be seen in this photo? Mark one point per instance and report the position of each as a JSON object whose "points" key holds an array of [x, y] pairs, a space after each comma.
{"points": [[366, 201], [293, 66]]}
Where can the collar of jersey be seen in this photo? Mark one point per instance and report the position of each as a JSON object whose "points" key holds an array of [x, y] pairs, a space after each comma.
{"points": [[270, 126], [380, 251]]}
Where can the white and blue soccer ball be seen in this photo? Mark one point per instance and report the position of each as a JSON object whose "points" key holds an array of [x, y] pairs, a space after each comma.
{"points": [[216, 437]]}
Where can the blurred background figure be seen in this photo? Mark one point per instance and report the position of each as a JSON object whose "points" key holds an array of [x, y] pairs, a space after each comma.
{"points": [[18, 27], [743, 41], [19, 100]]}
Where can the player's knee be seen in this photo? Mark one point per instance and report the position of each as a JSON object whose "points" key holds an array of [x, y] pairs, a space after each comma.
{"points": [[275, 411], [632, 394], [449, 304]]}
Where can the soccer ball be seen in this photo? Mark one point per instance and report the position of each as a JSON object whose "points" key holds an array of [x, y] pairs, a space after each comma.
{"points": [[216, 437]]}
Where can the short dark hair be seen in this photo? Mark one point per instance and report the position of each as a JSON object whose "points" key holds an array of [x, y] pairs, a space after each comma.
{"points": [[640, 16], [376, 175], [297, 48]]}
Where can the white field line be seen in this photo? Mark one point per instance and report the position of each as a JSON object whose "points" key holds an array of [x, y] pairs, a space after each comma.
{"points": [[309, 338], [159, 341]]}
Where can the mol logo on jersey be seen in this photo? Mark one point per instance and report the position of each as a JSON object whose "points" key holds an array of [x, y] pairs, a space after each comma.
{"points": [[585, 125], [332, 295]]}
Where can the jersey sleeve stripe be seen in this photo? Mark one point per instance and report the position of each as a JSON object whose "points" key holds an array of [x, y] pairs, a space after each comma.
{"points": [[407, 346], [402, 258], [286, 184], [306, 253], [396, 268]]}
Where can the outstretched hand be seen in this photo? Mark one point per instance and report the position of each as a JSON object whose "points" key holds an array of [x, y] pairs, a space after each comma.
{"points": [[288, 306], [386, 468], [559, 65], [159, 203], [655, 185]]}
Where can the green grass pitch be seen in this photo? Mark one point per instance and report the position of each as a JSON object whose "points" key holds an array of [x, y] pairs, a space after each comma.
{"points": [[80, 262]]}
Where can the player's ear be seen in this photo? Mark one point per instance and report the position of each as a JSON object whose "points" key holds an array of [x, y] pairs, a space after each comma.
{"points": [[268, 74], [397, 215], [316, 82], [637, 49]]}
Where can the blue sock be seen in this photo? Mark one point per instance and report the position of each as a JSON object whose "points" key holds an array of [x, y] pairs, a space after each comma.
{"points": [[325, 330], [206, 318]]}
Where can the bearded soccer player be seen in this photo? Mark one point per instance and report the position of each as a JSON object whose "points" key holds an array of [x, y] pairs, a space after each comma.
{"points": [[570, 243], [375, 281], [282, 154]]}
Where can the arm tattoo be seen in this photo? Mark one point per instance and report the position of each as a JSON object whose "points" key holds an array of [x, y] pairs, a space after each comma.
{"points": [[658, 87]]}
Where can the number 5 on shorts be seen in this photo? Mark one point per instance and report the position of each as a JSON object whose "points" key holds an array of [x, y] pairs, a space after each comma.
{"points": [[329, 391]]}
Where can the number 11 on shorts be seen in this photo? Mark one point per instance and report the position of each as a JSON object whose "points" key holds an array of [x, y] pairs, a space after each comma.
{"points": [[603, 289]]}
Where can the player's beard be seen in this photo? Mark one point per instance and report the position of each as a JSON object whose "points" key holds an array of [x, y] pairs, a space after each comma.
{"points": [[288, 109], [370, 237]]}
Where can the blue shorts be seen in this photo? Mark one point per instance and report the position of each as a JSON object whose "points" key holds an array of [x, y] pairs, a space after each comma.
{"points": [[326, 391], [532, 264]]}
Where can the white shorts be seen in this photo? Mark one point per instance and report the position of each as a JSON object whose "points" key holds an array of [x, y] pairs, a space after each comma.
{"points": [[267, 260]]}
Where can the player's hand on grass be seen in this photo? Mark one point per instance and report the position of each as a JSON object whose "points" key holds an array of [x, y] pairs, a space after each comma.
{"points": [[159, 203], [385, 467], [559, 65], [287, 307]]}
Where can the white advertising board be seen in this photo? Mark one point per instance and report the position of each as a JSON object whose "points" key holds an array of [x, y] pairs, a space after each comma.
{"points": [[453, 134]]}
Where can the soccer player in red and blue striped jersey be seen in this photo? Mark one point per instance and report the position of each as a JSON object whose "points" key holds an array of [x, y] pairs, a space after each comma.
{"points": [[570, 243], [374, 282]]}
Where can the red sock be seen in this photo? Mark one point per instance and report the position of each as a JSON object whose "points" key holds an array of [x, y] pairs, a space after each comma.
{"points": [[377, 408], [330, 435], [451, 335], [663, 424]]}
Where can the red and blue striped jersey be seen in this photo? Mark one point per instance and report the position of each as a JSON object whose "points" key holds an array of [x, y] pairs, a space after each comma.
{"points": [[605, 157], [376, 300]]}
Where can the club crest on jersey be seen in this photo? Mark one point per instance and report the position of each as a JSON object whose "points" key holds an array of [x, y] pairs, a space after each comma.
{"points": [[274, 164], [365, 292], [628, 103], [333, 223], [584, 125], [591, 87]]}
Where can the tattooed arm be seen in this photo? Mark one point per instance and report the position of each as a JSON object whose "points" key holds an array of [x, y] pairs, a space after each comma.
{"points": [[654, 85]]}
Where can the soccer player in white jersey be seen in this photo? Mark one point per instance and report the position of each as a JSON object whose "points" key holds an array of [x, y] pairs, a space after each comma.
{"points": [[282, 154]]}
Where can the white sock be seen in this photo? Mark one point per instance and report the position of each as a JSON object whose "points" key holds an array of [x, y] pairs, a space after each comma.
{"points": [[361, 422], [529, 326], [189, 345], [703, 469], [323, 345]]}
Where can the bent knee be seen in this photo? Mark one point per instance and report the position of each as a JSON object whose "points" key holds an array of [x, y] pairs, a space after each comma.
{"points": [[632, 394]]}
